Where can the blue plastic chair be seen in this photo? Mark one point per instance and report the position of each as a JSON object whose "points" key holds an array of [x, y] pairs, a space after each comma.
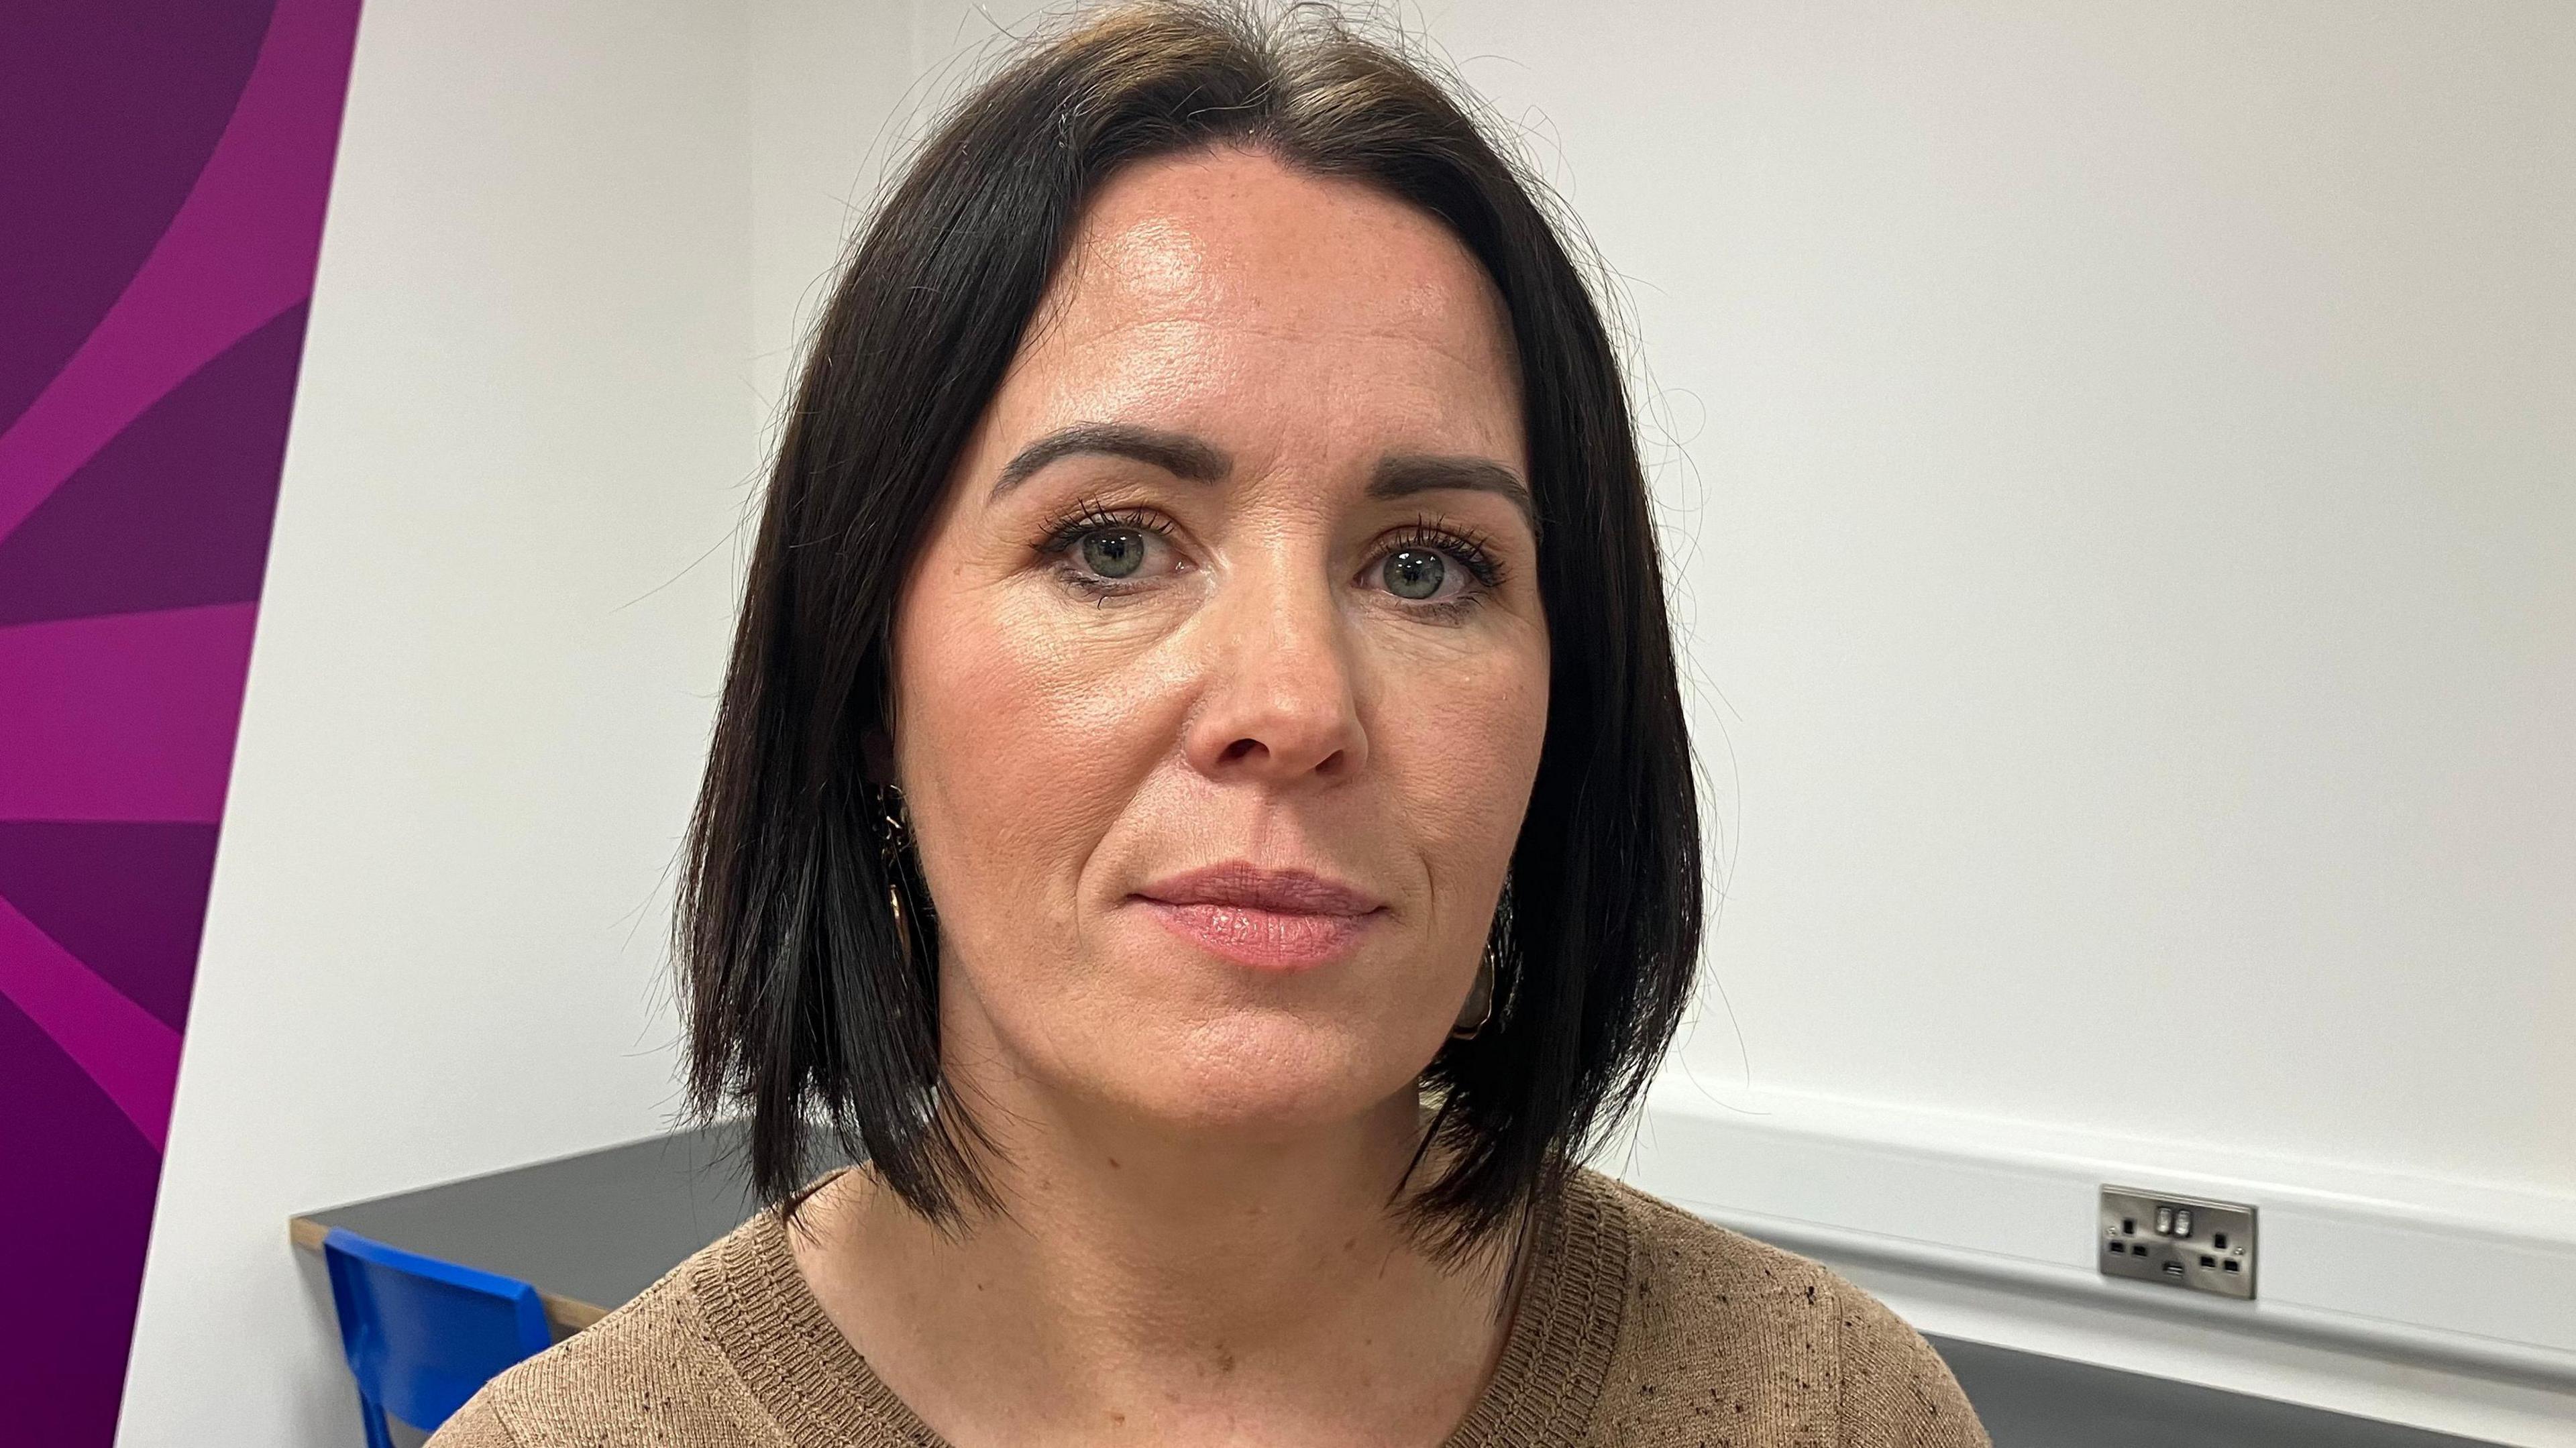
{"points": [[422, 1334]]}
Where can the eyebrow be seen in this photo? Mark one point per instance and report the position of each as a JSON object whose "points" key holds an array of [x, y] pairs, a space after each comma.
{"points": [[1405, 474], [1196, 460], [1179, 454]]}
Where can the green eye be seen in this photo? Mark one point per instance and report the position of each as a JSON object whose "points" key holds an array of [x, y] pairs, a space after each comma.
{"points": [[1113, 552], [1415, 573]]}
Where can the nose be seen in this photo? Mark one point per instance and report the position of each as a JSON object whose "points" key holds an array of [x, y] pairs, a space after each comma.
{"points": [[1280, 699]]}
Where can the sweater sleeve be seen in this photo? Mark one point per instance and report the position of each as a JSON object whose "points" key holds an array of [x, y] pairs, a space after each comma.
{"points": [[1896, 1390], [476, 1425]]}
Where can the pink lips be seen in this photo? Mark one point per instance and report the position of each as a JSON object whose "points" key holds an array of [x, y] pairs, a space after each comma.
{"points": [[1274, 919]]}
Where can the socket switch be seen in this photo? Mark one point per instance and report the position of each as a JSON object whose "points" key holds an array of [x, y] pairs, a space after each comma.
{"points": [[2179, 1241]]}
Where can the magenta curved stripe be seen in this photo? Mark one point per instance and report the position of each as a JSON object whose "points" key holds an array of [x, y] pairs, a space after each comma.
{"points": [[116, 1043], [240, 251], [126, 717], [175, 512], [128, 898], [145, 81]]}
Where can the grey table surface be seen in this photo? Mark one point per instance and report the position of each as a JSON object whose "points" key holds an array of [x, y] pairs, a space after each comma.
{"points": [[598, 1228]]}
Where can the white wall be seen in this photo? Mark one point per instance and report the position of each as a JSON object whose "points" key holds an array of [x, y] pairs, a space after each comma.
{"points": [[2128, 457], [494, 621], [2121, 482], [829, 108]]}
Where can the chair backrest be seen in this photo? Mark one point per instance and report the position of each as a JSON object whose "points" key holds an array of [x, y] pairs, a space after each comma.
{"points": [[422, 1334]]}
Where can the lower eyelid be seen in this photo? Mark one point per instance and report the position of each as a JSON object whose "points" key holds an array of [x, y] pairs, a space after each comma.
{"points": [[1448, 610], [1093, 591]]}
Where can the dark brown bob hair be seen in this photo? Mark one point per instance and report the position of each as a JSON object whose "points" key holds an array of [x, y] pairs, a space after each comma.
{"points": [[805, 1008]]}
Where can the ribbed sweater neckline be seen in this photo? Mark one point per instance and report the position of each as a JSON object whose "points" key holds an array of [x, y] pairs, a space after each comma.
{"points": [[809, 1377]]}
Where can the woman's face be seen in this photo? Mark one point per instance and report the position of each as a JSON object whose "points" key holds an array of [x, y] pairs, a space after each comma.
{"points": [[1222, 680]]}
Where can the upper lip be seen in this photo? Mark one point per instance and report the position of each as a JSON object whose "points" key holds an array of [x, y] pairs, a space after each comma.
{"points": [[1240, 882]]}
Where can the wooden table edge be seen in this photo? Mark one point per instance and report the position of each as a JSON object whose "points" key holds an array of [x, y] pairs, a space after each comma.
{"points": [[568, 1315]]}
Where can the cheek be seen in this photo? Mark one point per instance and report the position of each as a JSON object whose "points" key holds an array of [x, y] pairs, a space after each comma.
{"points": [[1459, 743], [1022, 742]]}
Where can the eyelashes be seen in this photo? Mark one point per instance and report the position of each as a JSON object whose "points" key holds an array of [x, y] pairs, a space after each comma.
{"points": [[1468, 547], [1068, 529]]}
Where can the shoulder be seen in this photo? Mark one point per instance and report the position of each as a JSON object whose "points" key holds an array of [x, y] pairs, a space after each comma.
{"points": [[1721, 1332], [648, 1375]]}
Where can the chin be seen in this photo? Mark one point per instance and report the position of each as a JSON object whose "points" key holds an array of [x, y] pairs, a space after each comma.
{"points": [[1264, 1073]]}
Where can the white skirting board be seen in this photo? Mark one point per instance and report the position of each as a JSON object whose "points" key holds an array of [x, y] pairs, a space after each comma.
{"points": [[2438, 1304]]}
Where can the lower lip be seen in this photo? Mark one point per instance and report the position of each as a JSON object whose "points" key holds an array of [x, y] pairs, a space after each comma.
{"points": [[1269, 939]]}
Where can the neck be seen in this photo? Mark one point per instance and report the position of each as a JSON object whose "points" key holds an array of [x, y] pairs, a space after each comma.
{"points": [[1188, 1286], [1174, 1238]]}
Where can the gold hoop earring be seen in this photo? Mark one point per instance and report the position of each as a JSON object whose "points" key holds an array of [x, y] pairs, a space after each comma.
{"points": [[890, 843], [1481, 996]]}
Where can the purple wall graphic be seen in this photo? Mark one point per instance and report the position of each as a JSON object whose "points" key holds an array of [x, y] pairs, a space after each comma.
{"points": [[163, 170]]}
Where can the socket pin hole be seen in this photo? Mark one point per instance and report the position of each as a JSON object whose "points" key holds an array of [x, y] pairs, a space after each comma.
{"points": [[2232, 1265], [2129, 1225], [2220, 1242], [2208, 1261]]}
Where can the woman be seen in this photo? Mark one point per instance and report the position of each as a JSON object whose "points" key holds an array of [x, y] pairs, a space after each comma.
{"points": [[1201, 806]]}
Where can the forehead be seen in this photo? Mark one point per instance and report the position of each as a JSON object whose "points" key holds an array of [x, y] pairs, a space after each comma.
{"points": [[1222, 278]]}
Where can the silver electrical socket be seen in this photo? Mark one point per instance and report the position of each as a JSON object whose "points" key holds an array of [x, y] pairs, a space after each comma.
{"points": [[2180, 1241]]}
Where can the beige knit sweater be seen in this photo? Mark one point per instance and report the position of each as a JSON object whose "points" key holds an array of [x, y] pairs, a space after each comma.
{"points": [[1639, 1324]]}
